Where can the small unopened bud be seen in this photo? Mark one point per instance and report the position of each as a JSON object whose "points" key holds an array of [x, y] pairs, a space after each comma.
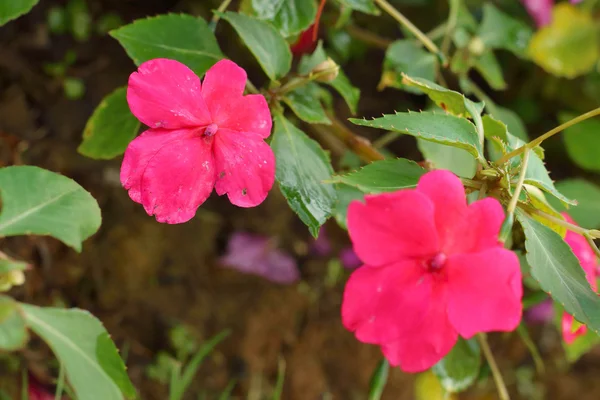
{"points": [[10, 279], [506, 228], [476, 46], [326, 71]]}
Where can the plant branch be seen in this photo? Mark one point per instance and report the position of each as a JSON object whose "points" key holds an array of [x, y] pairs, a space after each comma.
{"points": [[512, 205], [539, 140], [558, 221], [450, 26], [368, 37], [592, 244], [215, 18], [487, 352], [358, 144]]}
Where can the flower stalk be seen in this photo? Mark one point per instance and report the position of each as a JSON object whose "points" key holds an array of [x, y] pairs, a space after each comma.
{"points": [[487, 352]]}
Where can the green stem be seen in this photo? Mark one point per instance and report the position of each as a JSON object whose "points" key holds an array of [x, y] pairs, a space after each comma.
{"points": [[368, 37], [379, 380], [216, 17], [471, 183], [487, 352], [295, 83], [60, 383], [535, 354], [423, 38], [385, 139], [592, 244], [558, 221], [512, 205], [539, 140], [451, 25], [250, 88]]}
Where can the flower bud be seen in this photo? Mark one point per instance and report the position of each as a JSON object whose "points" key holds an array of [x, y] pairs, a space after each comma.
{"points": [[476, 46], [327, 71]]}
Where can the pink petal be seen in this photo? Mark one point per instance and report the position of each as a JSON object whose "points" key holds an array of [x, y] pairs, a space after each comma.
{"points": [[223, 85], [484, 291], [446, 192], [391, 227], [140, 151], [584, 253], [421, 348], [245, 167], [246, 114], [178, 179], [166, 94], [539, 10], [568, 334], [381, 304]]}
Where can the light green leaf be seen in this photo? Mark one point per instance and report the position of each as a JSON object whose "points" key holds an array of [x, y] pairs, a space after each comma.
{"points": [[512, 121], [302, 165], [409, 57], [40, 202], [306, 104], [459, 368], [268, 46], [180, 37], [110, 128], [559, 273], [456, 160], [13, 331], [383, 176], [501, 31], [290, 17], [587, 211], [366, 6], [568, 46], [488, 66], [345, 195], [84, 348], [7, 265], [11, 9], [582, 141], [446, 129]]}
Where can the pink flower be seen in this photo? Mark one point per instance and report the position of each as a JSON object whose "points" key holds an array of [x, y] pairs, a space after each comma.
{"points": [[433, 270], [200, 137], [588, 261], [36, 391], [540, 11]]}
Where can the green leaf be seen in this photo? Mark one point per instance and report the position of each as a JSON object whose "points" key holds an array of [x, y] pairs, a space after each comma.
{"points": [[80, 20], [12, 9], [501, 31], [580, 346], [82, 345], [341, 84], [40, 202], [587, 211], [456, 160], [268, 46], [180, 37], [446, 129], [302, 165], [409, 57], [459, 368], [559, 273], [582, 141], [13, 331], [306, 104], [379, 380], [290, 17], [488, 66], [7, 265], [513, 122], [383, 176], [110, 128], [345, 195], [366, 6], [568, 46]]}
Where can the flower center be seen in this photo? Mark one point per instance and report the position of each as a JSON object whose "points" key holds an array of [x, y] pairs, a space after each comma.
{"points": [[211, 130], [436, 263]]}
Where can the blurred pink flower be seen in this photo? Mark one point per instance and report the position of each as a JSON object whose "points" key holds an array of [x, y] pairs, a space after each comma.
{"points": [[349, 258], [321, 246], [257, 255], [540, 11], [540, 313], [37, 391], [201, 136], [434, 269]]}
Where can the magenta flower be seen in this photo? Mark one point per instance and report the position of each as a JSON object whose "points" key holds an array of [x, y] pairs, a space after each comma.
{"points": [[540, 11], [201, 136], [257, 255], [434, 269], [588, 261]]}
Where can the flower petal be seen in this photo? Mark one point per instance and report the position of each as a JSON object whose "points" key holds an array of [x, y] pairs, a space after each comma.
{"points": [[166, 94], [223, 85], [248, 114], [245, 167], [425, 345], [446, 192], [178, 179], [478, 230], [569, 335], [584, 253], [484, 291], [540, 11], [391, 227], [381, 304]]}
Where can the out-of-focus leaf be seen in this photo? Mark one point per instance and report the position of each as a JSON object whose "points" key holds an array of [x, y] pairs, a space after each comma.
{"points": [[459, 161], [306, 104], [501, 31], [568, 47], [581, 345], [428, 387], [110, 128], [74, 88], [11, 9], [488, 66], [290, 17], [512, 121], [13, 331], [345, 194], [366, 6], [180, 37], [80, 19], [537, 200], [301, 167], [459, 368], [587, 211], [582, 141], [40, 202], [406, 56]]}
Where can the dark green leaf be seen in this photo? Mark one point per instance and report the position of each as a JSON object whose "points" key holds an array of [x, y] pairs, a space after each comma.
{"points": [[456, 160], [446, 129], [559, 273], [408, 57], [13, 331], [345, 194], [77, 338], [11, 9], [306, 104], [180, 37], [268, 46], [40, 202], [110, 128], [501, 31], [582, 141], [302, 165], [488, 66], [459, 368], [383, 176], [290, 17], [366, 6], [587, 211]]}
